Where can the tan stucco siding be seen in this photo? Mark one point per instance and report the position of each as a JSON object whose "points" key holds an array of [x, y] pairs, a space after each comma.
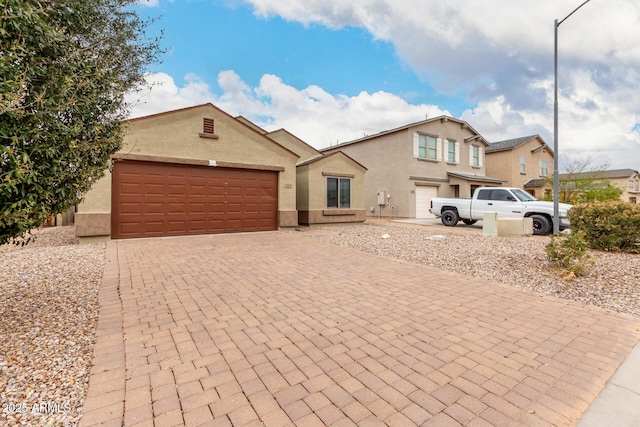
{"points": [[386, 160], [506, 164], [294, 144], [177, 135], [312, 191], [302, 187], [393, 168]]}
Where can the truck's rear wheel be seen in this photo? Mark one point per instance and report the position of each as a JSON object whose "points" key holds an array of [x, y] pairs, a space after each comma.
{"points": [[541, 225], [450, 218], [469, 221]]}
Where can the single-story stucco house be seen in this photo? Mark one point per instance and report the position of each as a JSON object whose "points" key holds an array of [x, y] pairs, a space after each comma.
{"points": [[198, 170]]}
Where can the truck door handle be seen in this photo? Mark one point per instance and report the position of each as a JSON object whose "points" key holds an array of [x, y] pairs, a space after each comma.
{"points": [[490, 204]]}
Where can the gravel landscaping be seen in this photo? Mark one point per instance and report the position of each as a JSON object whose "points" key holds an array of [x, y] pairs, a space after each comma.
{"points": [[48, 313], [49, 288], [613, 282]]}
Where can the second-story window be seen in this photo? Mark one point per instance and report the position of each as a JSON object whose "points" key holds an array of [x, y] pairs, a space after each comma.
{"points": [[523, 168], [544, 168], [475, 156], [433, 148], [422, 146], [451, 151]]}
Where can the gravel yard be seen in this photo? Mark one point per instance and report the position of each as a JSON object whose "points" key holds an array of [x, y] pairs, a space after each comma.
{"points": [[48, 299], [48, 313], [613, 283]]}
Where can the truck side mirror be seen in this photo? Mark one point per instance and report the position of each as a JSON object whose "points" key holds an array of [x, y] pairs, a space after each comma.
{"points": [[511, 198]]}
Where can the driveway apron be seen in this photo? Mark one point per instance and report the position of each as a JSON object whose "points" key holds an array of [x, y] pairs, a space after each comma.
{"points": [[274, 329]]}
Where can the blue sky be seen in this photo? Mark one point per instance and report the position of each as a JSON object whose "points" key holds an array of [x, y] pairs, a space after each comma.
{"points": [[330, 71]]}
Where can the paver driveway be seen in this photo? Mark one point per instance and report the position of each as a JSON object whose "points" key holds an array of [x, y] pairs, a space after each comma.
{"points": [[275, 329]]}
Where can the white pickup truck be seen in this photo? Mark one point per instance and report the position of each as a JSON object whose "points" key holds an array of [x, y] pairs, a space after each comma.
{"points": [[506, 202]]}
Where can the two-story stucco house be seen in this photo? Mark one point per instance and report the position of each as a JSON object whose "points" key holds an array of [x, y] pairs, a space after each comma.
{"points": [[523, 162], [632, 192], [409, 165]]}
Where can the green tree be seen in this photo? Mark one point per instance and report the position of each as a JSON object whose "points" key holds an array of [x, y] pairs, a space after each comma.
{"points": [[584, 182], [65, 67]]}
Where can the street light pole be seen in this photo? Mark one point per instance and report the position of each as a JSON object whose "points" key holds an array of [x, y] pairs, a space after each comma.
{"points": [[556, 180]]}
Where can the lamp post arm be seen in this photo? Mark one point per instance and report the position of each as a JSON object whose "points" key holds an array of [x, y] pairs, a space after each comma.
{"points": [[574, 11]]}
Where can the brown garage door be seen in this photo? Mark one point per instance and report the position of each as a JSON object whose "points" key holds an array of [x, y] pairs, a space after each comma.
{"points": [[157, 199]]}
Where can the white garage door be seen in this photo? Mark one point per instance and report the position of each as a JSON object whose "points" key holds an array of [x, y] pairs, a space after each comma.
{"points": [[423, 201]]}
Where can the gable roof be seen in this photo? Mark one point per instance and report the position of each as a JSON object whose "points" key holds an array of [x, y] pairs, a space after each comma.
{"points": [[241, 120], [405, 127], [326, 156], [608, 174], [510, 144], [301, 145]]}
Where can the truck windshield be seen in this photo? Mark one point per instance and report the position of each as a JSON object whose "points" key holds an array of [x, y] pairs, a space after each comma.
{"points": [[524, 196]]}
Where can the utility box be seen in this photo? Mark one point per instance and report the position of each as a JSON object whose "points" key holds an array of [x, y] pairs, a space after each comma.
{"points": [[490, 224], [515, 227], [382, 197]]}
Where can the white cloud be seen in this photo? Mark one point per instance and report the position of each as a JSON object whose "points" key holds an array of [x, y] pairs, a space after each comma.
{"points": [[312, 114], [589, 122], [500, 54], [149, 3]]}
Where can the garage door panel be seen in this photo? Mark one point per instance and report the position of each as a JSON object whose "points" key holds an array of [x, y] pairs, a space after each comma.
{"points": [[423, 201], [154, 199]]}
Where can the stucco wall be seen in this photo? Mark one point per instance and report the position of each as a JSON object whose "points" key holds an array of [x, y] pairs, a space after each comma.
{"points": [[506, 164], [294, 144], [312, 202], [393, 168], [177, 134]]}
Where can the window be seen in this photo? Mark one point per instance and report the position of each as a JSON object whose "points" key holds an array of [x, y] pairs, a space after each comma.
{"points": [[422, 146], [475, 156], [544, 168], [484, 195], [523, 195], [427, 147], [456, 191], [451, 152], [637, 185], [522, 165], [632, 200], [433, 148], [338, 193], [501, 195]]}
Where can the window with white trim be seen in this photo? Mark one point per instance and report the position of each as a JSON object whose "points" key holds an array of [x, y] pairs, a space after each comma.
{"points": [[451, 152], [427, 147], [544, 168], [432, 147], [523, 165], [475, 156], [338, 193]]}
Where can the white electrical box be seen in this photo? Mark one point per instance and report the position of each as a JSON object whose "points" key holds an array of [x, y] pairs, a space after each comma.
{"points": [[382, 197]]}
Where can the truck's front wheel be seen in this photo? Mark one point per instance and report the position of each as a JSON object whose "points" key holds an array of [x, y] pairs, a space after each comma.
{"points": [[541, 225], [450, 218]]}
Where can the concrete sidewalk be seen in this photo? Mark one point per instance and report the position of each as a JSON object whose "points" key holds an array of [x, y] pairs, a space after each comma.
{"points": [[275, 329]]}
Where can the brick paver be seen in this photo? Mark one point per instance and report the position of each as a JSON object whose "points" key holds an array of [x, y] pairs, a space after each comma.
{"points": [[275, 329]]}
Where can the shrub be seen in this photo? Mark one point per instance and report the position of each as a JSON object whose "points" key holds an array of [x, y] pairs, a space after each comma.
{"points": [[569, 254], [611, 225]]}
